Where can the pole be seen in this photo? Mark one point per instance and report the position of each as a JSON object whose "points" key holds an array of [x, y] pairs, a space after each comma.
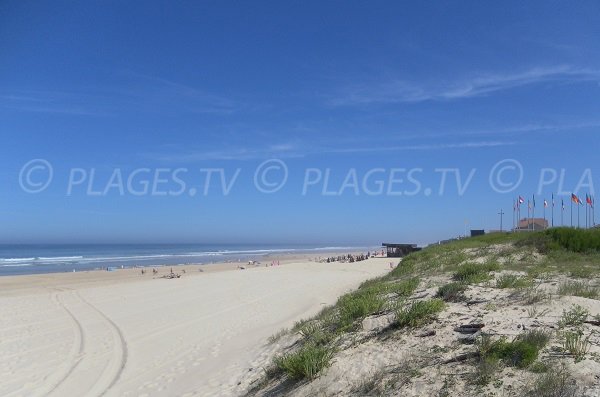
{"points": [[571, 211], [544, 211], [552, 209], [533, 214], [501, 213], [513, 214], [586, 211]]}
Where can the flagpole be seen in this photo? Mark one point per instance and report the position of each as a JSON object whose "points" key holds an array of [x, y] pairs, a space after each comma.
{"points": [[571, 211], [514, 213], [586, 211], [533, 214], [528, 214], [552, 209], [544, 211]]}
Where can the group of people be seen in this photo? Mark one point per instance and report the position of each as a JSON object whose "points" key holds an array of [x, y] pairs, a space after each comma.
{"points": [[348, 258]]}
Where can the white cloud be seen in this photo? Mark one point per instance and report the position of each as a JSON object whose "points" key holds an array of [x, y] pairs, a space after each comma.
{"points": [[398, 91]]}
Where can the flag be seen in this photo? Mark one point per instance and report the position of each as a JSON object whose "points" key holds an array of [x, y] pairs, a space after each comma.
{"points": [[588, 199], [545, 204], [521, 200], [562, 202], [575, 199], [534, 201], [552, 200]]}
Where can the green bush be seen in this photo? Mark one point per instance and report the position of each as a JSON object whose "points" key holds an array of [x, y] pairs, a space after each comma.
{"points": [[573, 317], [521, 352], [576, 240]]}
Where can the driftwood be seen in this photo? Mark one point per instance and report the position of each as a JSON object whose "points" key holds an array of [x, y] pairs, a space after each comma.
{"points": [[469, 328], [461, 358], [593, 322], [476, 302], [426, 334]]}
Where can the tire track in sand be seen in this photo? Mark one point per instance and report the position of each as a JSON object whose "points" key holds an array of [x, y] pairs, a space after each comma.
{"points": [[77, 350], [92, 368], [120, 352]]}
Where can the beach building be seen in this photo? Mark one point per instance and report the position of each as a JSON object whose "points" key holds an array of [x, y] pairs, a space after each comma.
{"points": [[399, 250], [532, 224]]}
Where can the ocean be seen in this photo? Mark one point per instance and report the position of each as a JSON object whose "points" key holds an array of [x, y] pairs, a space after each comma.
{"points": [[34, 259]]}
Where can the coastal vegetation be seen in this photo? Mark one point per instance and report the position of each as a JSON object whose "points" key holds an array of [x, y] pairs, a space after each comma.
{"points": [[484, 308]]}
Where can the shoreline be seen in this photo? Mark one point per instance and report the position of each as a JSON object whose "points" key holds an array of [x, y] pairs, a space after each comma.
{"points": [[95, 277]]}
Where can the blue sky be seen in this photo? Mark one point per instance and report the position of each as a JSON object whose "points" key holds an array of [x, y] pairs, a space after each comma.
{"points": [[105, 85]]}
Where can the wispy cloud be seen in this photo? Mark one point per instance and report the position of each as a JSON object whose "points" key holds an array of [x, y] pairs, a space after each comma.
{"points": [[397, 91], [424, 147], [284, 150], [40, 101], [135, 93], [297, 151]]}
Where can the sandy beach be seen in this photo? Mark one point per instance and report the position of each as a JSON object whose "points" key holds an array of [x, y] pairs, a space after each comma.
{"points": [[123, 334]]}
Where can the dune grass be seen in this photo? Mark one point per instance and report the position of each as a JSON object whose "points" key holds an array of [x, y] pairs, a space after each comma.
{"points": [[578, 288], [452, 292], [542, 255], [521, 353], [418, 313], [473, 273], [305, 363], [512, 281]]}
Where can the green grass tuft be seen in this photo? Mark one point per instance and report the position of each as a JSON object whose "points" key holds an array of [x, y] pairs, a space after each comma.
{"points": [[358, 305], [452, 292], [418, 313], [305, 363], [578, 288], [512, 281], [473, 273]]}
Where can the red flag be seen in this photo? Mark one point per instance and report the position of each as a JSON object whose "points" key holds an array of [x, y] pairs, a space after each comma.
{"points": [[588, 199], [575, 199]]}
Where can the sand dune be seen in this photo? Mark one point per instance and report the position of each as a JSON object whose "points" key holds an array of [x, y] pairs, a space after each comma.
{"points": [[74, 335]]}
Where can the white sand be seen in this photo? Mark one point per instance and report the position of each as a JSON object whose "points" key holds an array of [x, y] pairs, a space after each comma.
{"points": [[89, 335]]}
